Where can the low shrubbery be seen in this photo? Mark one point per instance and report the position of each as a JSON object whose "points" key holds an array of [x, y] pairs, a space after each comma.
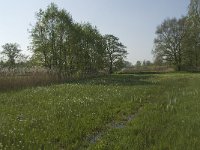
{"points": [[147, 69]]}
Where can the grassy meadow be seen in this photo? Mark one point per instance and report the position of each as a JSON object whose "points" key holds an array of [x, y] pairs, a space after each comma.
{"points": [[141, 111]]}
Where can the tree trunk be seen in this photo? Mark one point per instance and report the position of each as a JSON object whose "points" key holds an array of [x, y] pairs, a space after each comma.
{"points": [[111, 67]]}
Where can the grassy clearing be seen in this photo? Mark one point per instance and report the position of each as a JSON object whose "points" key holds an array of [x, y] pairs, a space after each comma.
{"points": [[156, 112]]}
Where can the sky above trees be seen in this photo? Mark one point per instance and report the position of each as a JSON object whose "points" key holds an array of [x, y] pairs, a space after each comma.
{"points": [[133, 21]]}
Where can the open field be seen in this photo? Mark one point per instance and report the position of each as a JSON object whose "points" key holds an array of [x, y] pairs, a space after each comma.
{"points": [[114, 112]]}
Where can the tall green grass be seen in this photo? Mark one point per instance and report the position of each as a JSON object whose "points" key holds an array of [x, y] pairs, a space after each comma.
{"points": [[157, 112], [170, 120]]}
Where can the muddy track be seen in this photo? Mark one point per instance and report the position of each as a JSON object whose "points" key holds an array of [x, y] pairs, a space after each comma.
{"points": [[95, 137]]}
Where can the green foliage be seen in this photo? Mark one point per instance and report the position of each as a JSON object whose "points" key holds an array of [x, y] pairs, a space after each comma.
{"points": [[12, 52], [115, 51], [146, 63], [178, 42], [192, 40], [50, 37], [138, 64], [168, 43], [60, 43]]}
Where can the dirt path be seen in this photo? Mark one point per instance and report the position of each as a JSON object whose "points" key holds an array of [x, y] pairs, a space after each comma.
{"points": [[92, 139]]}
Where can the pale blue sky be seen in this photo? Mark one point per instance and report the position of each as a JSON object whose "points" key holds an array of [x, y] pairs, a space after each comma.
{"points": [[133, 21]]}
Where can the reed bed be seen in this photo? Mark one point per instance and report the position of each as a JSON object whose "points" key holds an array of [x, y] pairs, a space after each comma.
{"points": [[19, 78]]}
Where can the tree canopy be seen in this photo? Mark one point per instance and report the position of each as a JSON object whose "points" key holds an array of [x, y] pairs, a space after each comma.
{"points": [[69, 47], [115, 51], [168, 43], [178, 41], [12, 52]]}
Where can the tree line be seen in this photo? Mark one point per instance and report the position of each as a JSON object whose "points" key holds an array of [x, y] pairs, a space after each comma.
{"points": [[177, 41], [61, 44]]}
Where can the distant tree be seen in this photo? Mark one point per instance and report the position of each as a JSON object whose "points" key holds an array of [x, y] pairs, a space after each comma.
{"points": [[138, 64], [127, 64], [115, 51], [148, 63], [169, 41], [22, 59], [120, 64], [12, 52], [144, 63]]}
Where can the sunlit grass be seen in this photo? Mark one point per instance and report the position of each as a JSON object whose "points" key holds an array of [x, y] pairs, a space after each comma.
{"points": [[165, 109]]}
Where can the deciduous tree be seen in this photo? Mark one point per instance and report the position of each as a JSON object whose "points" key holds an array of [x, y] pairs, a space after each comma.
{"points": [[12, 52], [115, 50], [169, 41]]}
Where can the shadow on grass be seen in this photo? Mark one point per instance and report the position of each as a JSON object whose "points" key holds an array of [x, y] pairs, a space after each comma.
{"points": [[123, 80]]}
